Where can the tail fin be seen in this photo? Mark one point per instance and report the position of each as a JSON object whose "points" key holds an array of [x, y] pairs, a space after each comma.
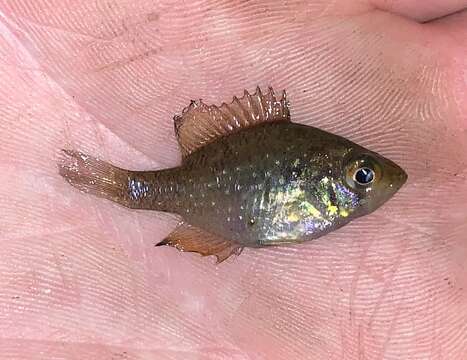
{"points": [[95, 176]]}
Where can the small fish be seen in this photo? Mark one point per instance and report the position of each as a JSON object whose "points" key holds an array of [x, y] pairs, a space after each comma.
{"points": [[249, 178]]}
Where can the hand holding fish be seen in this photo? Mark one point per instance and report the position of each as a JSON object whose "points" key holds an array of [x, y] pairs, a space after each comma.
{"points": [[346, 195]]}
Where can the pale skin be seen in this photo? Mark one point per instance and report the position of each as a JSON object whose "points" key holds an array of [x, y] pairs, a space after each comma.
{"points": [[80, 277]]}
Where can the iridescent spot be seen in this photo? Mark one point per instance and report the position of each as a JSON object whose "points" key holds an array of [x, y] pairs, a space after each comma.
{"points": [[138, 189], [344, 195]]}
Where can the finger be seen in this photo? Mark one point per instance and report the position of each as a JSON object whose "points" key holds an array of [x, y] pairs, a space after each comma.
{"points": [[420, 10], [450, 33], [455, 27]]}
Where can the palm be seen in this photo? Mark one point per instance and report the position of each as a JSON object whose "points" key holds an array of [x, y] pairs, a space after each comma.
{"points": [[80, 277]]}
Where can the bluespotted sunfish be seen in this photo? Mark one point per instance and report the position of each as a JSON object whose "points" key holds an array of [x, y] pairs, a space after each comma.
{"points": [[249, 178]]}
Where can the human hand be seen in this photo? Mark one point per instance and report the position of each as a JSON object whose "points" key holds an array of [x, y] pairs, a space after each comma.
{"points": [[80, 277]]}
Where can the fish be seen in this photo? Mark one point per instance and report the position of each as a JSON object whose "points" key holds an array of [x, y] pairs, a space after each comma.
{"points": [[249, 177]]}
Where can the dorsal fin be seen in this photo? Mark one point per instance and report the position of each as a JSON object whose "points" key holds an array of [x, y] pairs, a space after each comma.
{"points": [[201, 124], [192, 239]]}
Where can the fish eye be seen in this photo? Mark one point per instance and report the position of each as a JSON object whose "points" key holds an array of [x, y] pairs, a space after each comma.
{"points": [[364, 176], [362, 172]]}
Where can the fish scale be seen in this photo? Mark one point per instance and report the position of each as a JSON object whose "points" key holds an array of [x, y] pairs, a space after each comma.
{"points": [[249, 177]]}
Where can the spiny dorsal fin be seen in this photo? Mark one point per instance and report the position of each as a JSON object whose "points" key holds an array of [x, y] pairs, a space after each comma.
{"points": [[192, 239], [201, 124]]}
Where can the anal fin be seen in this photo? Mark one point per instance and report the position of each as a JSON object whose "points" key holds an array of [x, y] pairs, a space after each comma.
{"points": [[192, 239]]}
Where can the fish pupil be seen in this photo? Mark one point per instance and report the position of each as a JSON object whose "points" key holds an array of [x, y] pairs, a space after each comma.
{"points": [[364, 176]]}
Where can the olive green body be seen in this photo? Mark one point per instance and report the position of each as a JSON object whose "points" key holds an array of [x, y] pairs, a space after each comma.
{"points": [[265, 185]]}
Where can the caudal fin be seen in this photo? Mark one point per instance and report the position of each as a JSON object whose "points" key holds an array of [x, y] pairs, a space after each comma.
{"points": [[94, 176]]}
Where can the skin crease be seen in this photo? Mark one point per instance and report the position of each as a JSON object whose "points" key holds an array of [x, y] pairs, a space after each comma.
{"points": [[80, 277]]}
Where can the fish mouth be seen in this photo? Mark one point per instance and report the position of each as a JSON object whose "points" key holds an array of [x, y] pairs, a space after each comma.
{"points": [[398, 179], [393, 179], [403, 177]]}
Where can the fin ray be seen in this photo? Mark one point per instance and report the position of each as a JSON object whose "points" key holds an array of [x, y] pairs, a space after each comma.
{"points": [[200, 124], [192, 239], [100, 178], [92, 175]]}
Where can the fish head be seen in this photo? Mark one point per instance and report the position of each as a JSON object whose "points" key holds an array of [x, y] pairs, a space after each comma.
{"points": [[369, 178]]}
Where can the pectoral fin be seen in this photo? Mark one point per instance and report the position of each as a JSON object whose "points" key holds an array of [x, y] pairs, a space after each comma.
{"points": [[192, 239]]}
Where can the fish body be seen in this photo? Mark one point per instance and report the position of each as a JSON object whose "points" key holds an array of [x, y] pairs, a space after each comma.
{"points": [[249, 178]]}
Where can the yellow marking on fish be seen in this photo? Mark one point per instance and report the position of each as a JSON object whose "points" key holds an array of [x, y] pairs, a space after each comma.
{"points": [[293, 217], [343, 213], [311, 210], [332, 209]]}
